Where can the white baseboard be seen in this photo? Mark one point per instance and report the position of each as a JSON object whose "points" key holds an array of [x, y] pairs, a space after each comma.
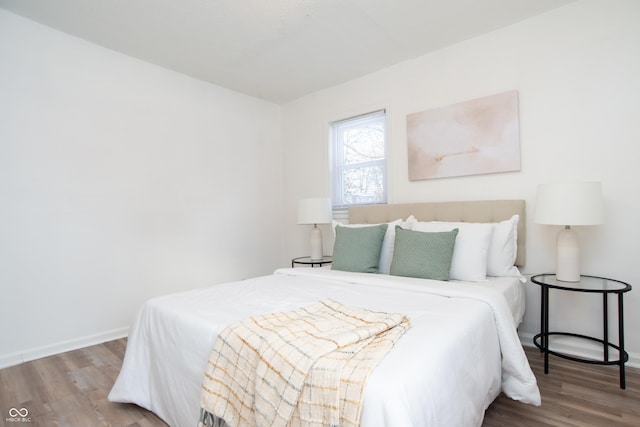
{"points": [[579, 348], [17, 358]]}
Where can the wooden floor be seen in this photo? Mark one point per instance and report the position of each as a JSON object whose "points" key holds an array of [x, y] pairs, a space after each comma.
{"points": [[70, 389]]}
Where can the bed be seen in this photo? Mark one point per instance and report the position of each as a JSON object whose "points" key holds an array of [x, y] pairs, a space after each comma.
{"points": [[461, 351]]}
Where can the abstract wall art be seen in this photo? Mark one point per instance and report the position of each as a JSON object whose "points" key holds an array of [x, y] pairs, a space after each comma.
{"points": [[475, 137]]}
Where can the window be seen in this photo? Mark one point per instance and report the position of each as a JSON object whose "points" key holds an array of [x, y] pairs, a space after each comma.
{"points": [[358, 154]]}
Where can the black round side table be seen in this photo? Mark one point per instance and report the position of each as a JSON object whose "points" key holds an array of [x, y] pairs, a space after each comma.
{"points": [[305, 260], [588, 284]]}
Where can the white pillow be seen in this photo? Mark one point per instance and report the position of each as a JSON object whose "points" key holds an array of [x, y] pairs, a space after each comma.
{"points": [[471, 250], [386, 254], [504, 248]]}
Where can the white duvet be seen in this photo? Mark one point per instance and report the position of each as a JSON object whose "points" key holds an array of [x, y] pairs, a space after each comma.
{"points": [[461, 350]]}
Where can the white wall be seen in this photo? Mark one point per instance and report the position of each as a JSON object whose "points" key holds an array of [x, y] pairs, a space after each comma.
{"points": [[576, 70], [119, 181]]}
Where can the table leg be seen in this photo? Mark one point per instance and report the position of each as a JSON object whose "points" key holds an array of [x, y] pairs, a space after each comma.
{"points": [[605, 325], [541, 318], [622, 353], [545, 327]]}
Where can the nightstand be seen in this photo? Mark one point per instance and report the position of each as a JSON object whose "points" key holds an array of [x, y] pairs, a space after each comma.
{"points": [[305, 260], [588, 284]]}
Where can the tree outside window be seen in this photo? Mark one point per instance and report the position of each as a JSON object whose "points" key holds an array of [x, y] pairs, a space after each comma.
{"points": [[359, 160]]}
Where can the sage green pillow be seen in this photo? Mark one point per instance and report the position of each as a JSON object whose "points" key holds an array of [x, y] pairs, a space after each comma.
{"points": [[423, 254], [358, 248]]}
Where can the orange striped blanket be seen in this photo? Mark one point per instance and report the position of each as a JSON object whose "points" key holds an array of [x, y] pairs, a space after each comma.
{"points": [[303, 367]]}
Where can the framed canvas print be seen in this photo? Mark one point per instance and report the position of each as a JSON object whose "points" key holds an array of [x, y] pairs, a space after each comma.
{"points": [[474, 137]]}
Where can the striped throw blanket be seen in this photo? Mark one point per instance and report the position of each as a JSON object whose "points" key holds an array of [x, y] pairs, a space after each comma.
{"points": [[305, 367]]}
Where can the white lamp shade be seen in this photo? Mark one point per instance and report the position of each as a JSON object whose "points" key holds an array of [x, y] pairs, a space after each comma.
{"points": [[314, 211], [569, 204], [577, 203]]}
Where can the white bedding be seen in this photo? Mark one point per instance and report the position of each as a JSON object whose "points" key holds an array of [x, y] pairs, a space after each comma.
{"points": [[461, 351], [512, 290]]}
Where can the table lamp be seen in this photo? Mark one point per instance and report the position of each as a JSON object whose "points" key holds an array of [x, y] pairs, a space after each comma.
{"points": [[315, 211], [569, 204]]}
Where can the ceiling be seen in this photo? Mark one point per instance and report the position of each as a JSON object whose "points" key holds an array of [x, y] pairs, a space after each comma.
{"points": [[277, 50]]}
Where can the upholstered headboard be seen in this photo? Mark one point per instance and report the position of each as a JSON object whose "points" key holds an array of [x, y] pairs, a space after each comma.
{"points": [[466, 211]]}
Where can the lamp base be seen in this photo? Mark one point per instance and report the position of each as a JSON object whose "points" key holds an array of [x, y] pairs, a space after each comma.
{"points": [[316, 244], [568, 256]]}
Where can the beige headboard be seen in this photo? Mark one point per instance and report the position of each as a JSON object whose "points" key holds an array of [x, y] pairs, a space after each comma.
{"points": [[467, 211]]}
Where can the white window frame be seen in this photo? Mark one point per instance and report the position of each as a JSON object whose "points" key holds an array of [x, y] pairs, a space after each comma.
{"points": [[337, 162]]}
